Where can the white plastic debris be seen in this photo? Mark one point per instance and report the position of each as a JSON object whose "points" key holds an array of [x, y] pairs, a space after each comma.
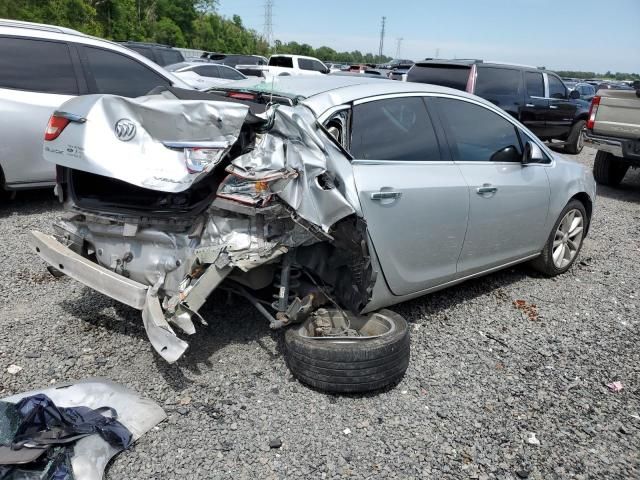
{"points": [[615, 387], [347, 431], [13, 369], [531, 439]]}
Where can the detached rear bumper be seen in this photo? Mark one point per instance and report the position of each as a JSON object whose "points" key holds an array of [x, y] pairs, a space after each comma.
{"points": [[91, 274]]}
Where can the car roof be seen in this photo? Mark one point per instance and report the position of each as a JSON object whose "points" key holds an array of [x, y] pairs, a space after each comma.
{"points": [[53, 32], [146, 44], [39, 26], [292, 56], [464, 62], [321, 92]]}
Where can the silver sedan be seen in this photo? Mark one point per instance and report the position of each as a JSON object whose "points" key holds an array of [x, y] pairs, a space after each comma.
{"points": [[345, 194]]}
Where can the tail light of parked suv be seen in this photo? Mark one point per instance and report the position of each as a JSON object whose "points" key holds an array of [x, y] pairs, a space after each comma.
{"points": [[595, 103]]}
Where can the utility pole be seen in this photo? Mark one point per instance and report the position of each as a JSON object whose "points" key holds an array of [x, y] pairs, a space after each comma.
{"points": [[267, 32], [384, 21], [399, 46]]}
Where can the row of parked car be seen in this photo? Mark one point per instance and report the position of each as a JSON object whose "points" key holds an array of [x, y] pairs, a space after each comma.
{"points": [[60, 63]]}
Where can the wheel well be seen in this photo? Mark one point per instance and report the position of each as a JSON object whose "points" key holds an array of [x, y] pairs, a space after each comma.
{"points": [[583, 198], [582, 116]]}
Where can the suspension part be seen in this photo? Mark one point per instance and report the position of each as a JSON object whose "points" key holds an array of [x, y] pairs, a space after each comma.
{"points": [[287, 283]]}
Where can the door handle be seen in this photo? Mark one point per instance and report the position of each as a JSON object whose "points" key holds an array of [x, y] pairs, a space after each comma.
{"points": [[529, 105], [486, 189], [385, 195], [554, 107]]}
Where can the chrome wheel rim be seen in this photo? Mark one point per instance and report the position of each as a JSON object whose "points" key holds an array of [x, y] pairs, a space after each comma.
{"points": [[580, 141], [568, 238]]}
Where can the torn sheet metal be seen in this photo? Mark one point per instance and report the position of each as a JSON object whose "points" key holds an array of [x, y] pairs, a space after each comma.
{"points": [[92, 453], [123, 138], [295, 144]]}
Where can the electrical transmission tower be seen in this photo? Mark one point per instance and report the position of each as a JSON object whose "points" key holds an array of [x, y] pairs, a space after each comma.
{"points": [[267, 32], [399, 47], [384, 21]]}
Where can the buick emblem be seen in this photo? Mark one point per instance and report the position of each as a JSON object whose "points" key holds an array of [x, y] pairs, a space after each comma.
{"points": [[125, 129]]}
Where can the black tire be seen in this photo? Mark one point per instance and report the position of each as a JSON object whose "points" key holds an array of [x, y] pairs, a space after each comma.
{"points": [[607, 170], [575, 142], [346, 365], [544, 263]]}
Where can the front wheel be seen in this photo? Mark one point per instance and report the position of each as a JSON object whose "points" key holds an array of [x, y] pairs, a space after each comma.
{"points": [[341, 352], [564, 242]]}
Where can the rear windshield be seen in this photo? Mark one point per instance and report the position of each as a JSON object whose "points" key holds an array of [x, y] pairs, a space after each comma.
{"points": [[286, 62], [168, 57], [454, 76], [233, 60]]}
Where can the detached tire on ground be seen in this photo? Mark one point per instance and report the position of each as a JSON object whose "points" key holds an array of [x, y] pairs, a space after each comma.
{"points": [[607, 170], [348, 364], [575, 141]]}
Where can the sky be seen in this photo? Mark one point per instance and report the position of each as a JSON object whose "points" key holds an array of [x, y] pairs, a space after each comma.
{"points": [[586, 35]]}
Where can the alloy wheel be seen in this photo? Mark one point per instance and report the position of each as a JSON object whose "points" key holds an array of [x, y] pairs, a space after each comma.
{"points": [[568, 238]]}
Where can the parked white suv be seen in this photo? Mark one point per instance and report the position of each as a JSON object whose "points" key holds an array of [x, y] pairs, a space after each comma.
{"points": [[41, 67], [285, 65]]}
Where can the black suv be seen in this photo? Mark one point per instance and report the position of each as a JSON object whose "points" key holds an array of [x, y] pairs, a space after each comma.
{"points": [[163, 55], [537, 98]]}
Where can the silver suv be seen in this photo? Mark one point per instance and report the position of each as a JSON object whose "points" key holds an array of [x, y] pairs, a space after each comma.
{"points": [[41, 67]]}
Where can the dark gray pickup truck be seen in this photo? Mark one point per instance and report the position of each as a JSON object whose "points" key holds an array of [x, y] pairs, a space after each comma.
{"points": [[613, 128]]}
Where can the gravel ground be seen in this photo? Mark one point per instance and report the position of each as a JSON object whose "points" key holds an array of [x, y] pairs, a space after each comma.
{"points": [[484, 375]]}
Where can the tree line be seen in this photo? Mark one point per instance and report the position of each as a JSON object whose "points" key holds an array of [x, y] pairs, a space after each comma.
{"points": [[608, 75], [180, 23]]}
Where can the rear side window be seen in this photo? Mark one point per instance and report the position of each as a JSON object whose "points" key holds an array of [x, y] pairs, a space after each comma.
{"points": [[118, 74], [476, 134], [208, 71], [230, 74], [393, 129], [556, 87], [534, 83], [499, 82], [312, 65], [453, 76], [286, 62], [36, 66]]}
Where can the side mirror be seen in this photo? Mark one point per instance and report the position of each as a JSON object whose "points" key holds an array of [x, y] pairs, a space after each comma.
{"points": [[326, 70], [506, 154], [574, 95], [532, 153]]}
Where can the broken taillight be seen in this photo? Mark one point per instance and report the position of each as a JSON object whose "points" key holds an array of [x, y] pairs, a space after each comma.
{"points": [[55, 127], [254, 190], [593, 110], [245, 191], [199, 159]]}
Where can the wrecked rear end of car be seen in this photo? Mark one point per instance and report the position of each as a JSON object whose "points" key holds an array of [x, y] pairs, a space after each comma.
{"points": [[168, 199]]}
